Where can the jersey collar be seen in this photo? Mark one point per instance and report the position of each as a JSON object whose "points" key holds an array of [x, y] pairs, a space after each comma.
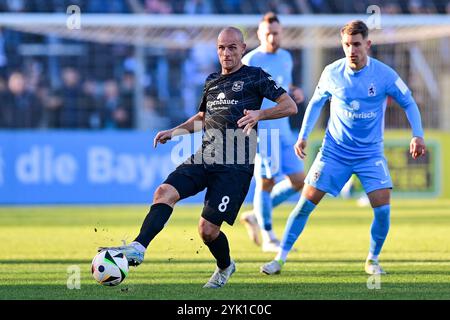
{"points": [[352, 72]]}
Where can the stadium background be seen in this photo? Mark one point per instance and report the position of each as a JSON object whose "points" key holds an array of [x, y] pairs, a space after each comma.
{"points": [[80, 106]]}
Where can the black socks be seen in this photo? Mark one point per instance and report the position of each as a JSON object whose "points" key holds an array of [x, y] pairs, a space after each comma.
{"points": [[220, 250], [159, 215], [154, 222]]}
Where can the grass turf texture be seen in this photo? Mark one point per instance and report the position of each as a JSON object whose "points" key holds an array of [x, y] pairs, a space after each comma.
{"points": [[39, 244]]}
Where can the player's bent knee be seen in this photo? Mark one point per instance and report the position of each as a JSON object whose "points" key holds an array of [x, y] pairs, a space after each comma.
{"points": [[379, 197], [297, 185], [208, 237], [167, 194], [312, 194], [208, 231]]}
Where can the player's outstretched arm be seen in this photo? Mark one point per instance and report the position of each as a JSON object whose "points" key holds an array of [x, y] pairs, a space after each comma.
{"points": [[300, 147], [417, 146], [312, 114], [285, 107], [402, 94], [193, 124]]}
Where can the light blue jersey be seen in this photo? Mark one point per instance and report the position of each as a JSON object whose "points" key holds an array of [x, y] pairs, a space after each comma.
{"points": [[272, 161], [275, 156], [353, 141], [279, 65], [358, 105]]}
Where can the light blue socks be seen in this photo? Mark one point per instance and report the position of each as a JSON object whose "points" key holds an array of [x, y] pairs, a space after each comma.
{"points": [[262, 204], [379, 229], [294, 226]]}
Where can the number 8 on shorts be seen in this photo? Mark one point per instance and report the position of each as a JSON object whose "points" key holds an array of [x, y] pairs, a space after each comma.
{"points": [[223, 205]]}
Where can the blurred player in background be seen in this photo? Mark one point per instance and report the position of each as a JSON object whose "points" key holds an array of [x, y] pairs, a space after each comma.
{"points": [[278, 172], [348, 192], [228, 112], [358, 86]]}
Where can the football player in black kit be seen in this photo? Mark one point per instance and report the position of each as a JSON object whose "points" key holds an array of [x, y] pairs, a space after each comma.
{"points": [[228, 114]]}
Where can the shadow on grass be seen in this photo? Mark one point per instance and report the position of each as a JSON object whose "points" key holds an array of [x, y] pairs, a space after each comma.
{"points": [[209, 261], [232, 291]]}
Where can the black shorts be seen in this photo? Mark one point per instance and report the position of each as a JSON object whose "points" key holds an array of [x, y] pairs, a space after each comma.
{"points": [[226, 189]]}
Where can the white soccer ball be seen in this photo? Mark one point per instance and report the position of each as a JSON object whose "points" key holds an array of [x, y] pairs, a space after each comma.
{"points": [[109, 267]]}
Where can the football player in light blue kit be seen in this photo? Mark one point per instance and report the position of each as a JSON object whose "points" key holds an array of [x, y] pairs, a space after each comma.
{"points": [[275, 157], [358, 86]]}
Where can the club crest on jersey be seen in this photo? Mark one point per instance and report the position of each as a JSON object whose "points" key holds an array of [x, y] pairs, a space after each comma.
{"points": [[238, 86], [372, 90], [318, 167]]}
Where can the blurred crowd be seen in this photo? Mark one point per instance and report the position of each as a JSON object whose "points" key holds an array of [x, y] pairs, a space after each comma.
{"points": [[48, 82], [227, 6], [26, 103]]}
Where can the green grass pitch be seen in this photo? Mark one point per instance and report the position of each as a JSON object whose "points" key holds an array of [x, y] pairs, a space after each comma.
{"points": [[39, 244]]}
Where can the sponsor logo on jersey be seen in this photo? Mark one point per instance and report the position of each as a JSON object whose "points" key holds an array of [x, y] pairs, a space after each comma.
{"points": [[361, 115], [220, 101], [354, 105], [352, 114]]}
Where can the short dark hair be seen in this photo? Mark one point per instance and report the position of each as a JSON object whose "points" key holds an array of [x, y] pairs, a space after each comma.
{"points": [[270, 17], [355, 27]]}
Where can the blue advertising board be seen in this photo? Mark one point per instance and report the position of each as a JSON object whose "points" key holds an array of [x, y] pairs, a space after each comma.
{"points": [[122, 167], [70, 167]]}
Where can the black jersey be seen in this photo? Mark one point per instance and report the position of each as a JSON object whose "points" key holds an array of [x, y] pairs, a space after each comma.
{"points": [[224, 99]]}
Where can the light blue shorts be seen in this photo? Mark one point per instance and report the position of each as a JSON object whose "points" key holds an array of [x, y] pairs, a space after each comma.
{"points": [[329, 174], [278, 160]]}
